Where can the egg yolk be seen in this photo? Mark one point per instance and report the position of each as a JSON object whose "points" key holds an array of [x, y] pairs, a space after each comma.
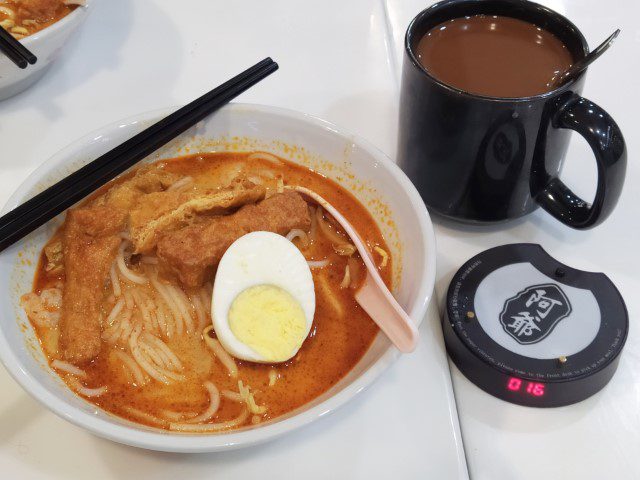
{"points": [[269, 320]]}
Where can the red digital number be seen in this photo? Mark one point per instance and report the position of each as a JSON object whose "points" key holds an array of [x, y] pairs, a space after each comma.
{"points": [[535, 389], [514, 384]]}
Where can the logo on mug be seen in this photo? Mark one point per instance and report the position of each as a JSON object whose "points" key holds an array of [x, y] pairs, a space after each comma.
{"points": [[533, 313]]}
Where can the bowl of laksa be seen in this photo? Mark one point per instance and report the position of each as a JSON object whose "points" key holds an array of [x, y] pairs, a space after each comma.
{"points": [[198, 302]]}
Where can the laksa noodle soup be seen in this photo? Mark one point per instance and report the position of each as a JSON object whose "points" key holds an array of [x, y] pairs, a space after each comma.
{"points": [[26, 17], [123, 294]]}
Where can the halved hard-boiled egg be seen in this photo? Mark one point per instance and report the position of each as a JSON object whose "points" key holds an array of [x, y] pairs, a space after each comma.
{"points": [[263, 298]]}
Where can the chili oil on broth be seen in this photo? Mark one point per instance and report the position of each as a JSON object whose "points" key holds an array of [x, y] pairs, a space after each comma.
{"points": [[340, 335]]}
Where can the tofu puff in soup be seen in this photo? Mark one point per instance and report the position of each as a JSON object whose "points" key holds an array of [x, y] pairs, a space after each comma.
{"points": [[25, 17], [122, 298]]}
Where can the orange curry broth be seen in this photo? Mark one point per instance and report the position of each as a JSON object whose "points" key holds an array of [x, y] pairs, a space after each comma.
{"points": [[334, 345]]}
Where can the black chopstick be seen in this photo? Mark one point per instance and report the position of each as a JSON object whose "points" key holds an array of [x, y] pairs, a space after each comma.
{"points": [[15, 51], [31, 215], [112, 156]]}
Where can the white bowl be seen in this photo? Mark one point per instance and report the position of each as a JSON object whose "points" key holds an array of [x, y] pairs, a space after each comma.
{"points": [[47, 45], [375, 180]]}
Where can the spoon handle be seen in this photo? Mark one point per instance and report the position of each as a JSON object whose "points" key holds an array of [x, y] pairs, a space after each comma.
{"points": [[373, 296], [378, 302], [583, 63]]}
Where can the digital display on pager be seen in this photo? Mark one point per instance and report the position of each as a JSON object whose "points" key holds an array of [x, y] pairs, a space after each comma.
{"points": [[526, 387]]}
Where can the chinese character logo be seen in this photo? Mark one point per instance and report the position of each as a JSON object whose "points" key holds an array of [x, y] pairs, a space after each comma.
{"points": [[533, 313]]}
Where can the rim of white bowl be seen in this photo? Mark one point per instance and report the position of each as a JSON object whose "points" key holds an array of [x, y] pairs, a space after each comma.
{"points": [[75, 16], [170, 442]]}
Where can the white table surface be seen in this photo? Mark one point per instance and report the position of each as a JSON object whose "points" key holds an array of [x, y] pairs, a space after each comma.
{"points": [[132, 57], [340, 60]]}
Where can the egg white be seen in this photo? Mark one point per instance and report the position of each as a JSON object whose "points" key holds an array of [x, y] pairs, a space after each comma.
{"points": [[259, 258]]}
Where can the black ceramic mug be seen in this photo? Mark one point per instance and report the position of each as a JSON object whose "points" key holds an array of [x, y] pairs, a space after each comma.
{"points": [[482, 159]]}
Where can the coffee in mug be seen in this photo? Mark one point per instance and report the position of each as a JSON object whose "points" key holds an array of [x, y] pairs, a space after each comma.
{"points": [[493, 55]]}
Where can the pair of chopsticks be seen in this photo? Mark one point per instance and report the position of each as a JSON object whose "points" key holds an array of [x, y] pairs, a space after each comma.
{"points": [[15, 51], [54, 200]]}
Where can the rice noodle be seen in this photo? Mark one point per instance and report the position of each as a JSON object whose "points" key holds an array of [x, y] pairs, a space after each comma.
{"points": [[165, 361], [140, 348], [345, 250], [111, 334], [124, 270], [265, 156], [147, 260], [125, 331], [183, 182], [145, 416], [115, 311], [144, 311], [256, 180], [177, 416], [266, 173], [150, 305], [152, 354], [68, 368], [115, 281], [205, 295], [86, 391], [318, 263], [126, 359], [383, 253], [214, 404], [220, 353], [327, 230], [273, 377], [196, 300], [160, 345], [36, 309], [128, 299], [256, 419], [165, 318], [210, 427], [142, 361], [249, 400], [313, 230], [168, 298], [233, 396], [325, 288], [301, 234], [346, 280], [182, 303], [354, 270]]}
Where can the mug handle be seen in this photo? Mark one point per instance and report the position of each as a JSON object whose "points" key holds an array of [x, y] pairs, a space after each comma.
{"points": [[606, 141]]}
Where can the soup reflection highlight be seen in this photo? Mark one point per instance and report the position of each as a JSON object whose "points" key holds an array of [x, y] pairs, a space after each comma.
{"points": [[121, 300]]}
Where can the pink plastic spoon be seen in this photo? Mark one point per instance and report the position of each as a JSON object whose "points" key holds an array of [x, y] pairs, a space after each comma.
{"points": [[374, 296]]}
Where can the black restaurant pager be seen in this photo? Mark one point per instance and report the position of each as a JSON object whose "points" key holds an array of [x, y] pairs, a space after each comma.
{"points": [[532, 331]]}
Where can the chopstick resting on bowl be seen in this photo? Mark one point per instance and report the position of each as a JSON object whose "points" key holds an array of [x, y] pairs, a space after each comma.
{"points": [[15, 51], [54, 200]]}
